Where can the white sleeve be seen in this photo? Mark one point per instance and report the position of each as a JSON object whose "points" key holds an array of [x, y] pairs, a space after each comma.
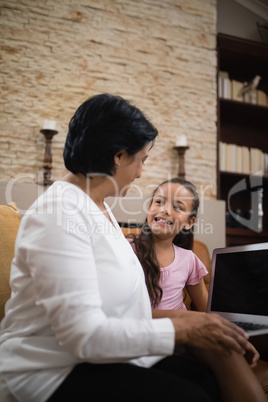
{"points": [[65, 280]]}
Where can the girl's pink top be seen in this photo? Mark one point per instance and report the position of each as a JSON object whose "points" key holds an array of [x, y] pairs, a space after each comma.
{"points": [[186, 269]]}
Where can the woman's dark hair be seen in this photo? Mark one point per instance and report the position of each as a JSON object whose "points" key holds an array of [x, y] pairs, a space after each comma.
{"points": [[145, 247], [103, 125]]}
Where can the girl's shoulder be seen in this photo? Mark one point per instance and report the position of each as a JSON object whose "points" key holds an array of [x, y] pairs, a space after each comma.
{"points": [[182, 251]]}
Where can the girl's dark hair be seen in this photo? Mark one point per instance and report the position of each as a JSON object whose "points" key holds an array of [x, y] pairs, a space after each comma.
{"points": [[103, 125], [145, 247]]}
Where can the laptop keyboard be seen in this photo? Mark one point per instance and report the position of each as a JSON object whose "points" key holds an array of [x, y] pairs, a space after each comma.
{"points": [[247, 326]]}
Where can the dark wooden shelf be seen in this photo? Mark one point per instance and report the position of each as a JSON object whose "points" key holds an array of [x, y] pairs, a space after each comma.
{"points": [[243, 199], [246, 232], [243, 124], [233, 177], [243, 59], [237, 236]]}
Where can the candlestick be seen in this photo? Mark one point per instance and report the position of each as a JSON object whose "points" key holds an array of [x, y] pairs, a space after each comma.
{"points": [[181, 151], [48, 134]]}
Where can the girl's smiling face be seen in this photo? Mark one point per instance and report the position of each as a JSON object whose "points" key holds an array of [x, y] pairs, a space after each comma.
{"points": [[170, 210]]}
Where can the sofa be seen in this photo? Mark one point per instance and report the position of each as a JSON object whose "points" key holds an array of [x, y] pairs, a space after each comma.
{"points": [[9, 224]]}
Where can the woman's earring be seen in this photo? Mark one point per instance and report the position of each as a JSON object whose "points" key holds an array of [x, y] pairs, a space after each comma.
{"points": [[117, 164]]}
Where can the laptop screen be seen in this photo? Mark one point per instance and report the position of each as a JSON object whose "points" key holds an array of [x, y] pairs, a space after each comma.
{"points": [[240, 283]]}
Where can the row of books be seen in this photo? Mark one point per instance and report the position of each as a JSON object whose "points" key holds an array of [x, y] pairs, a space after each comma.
{"points": [[231, 89], [241, 159]]}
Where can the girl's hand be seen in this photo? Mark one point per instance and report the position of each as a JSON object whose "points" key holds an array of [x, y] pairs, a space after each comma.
{"points": [[252, 356]]}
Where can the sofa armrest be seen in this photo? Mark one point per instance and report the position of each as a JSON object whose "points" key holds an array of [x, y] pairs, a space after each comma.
{"points": [[9, 225]]}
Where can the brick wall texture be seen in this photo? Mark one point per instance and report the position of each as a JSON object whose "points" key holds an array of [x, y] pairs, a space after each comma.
{"points": [[160, 55]]}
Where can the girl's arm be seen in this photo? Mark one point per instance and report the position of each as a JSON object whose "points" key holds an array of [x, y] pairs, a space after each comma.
{"points": [[199, 295]]}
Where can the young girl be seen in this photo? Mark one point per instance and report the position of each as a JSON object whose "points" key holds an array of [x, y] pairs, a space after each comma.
{"points": [[164, 250], [163, 247]]}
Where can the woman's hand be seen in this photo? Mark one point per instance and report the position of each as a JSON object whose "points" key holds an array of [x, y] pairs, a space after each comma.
{"points": [[212, 332]]}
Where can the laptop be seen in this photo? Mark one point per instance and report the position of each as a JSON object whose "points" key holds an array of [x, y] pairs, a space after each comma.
{"points": [[239, 286]]}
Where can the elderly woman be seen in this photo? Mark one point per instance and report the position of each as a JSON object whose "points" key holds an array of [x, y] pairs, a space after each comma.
{"points": [[79, 324]]}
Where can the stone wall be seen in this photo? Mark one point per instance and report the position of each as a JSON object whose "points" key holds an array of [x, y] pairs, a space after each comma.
{"points": [[158, 54]]}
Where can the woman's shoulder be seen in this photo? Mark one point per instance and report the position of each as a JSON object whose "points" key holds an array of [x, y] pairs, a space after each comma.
{"points": [[61, 201]]}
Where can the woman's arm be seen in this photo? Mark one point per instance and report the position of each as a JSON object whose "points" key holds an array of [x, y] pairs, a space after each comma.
{"points": [[199, 295], [209, 332]]}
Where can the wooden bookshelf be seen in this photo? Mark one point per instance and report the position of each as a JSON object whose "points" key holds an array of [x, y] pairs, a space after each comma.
{"points": [[240, 236], [243, 124]]}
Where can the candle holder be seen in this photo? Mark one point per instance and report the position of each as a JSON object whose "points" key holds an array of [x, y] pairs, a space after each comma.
{"points": [[48, 134], [181, 152]]}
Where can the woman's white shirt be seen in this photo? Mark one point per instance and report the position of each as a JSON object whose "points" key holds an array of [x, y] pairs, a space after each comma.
{"points": [[78, 295]]}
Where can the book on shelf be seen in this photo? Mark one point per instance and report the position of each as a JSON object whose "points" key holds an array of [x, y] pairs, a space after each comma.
{"points": [[265, 164], [256, 96], [241, 159], [256, 161], [230, 158], [245, 160], [224, 85], [262, 98], [227, 155], [222, 156], [251, 97], [231, 89], [236, 88]]}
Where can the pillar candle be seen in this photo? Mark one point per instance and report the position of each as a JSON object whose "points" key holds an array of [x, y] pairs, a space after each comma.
{"points": [[181, 141], [49, 125]]}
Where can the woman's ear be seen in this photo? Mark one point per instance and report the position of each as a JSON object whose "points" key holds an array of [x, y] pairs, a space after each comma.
{"points": [[190, 223], [117, 158]]}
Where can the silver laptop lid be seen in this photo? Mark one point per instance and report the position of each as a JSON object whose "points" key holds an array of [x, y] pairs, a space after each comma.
{"points": [[239, 283]]}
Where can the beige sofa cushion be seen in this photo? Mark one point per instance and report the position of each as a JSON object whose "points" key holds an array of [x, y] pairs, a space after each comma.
{"points": [[9, 224]]}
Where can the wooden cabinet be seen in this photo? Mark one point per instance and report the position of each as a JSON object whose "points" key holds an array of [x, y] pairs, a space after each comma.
{"points": [[243, 124]]}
